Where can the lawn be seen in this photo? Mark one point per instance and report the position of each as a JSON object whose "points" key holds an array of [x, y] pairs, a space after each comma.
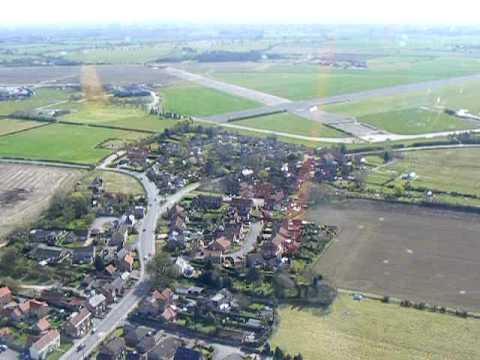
{"points": [[371, 330], [196, 100], [122, 116], [8, 126], [417, 121], [444, 170], [292, 124], [42, 97], [79, 144], [298, 82]]}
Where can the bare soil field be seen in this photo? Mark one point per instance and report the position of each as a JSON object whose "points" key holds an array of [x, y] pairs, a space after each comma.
{"points": [[108, 74], [408, 252], [25, 192]]}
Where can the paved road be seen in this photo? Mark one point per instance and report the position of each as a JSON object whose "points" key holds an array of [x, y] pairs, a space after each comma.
{"points": [[250, 240], [146, 248], [310, 109], [254, 95]]}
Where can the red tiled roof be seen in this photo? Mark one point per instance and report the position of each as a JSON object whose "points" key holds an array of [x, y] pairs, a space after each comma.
{"points": [[46, 340], [24, 307], [110, 269], [128, 259], [79, 317], [35, 304], [5, 291], [43, 324], [164, 295]]}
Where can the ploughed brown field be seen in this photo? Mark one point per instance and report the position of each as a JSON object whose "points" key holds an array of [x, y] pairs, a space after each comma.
{"points": [[408, 252], [108, 74], [25, 191]]}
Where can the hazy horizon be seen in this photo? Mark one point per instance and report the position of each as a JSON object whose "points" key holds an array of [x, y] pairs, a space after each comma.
{"points": [[89, 12]]}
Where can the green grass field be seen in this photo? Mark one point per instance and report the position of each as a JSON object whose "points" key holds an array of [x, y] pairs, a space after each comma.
{"points": [[444, 170], [126, 117], [115, 182], [292, 124], [195, 100], [370, 330], [462, 96], [63, 143], [42, 97], [416, 121], [8, 126], [298, 82]]}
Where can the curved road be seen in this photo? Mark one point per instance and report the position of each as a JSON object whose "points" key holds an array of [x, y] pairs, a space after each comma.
{"points": [[146, 248]]}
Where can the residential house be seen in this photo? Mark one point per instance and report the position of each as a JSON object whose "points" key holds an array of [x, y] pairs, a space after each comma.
{"points": [[78, 324], [42, 326], [165, 349], [115, 349], [156, 303], [45, 345], [223, 300], [49, 254], [207, 202], [119, 236], [134, 334], [184, 266], [113, 290], [184, 353], [38, 309], [139, 212], [5, 296], [84, 255], [147, 343], [97, 305], [221, 245], [170, 313], [126, 263]]}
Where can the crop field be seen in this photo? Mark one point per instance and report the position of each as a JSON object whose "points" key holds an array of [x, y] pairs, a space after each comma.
{"points": [[370, 330], [404, 251], [452, 170], [25, 191], [8, 126], [292, 124], [297, 82], [79, 144], [41, 98], [121, 116], [195, 100]]}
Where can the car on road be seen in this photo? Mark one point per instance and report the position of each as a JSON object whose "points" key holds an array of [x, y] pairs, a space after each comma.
{"points": [[81, 347]]}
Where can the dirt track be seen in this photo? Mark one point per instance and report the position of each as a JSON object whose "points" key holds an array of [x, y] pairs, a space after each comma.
{"points": [[25, 192], [403, 251]]}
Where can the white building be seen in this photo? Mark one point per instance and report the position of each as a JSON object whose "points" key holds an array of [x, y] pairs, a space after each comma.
{"points": [[45, 345]]}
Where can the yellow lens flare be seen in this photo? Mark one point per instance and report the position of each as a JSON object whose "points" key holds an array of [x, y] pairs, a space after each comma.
{"points": [[92, 87]]}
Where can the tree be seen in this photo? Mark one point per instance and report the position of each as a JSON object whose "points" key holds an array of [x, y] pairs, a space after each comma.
{"points": [[387, 156], [298, 357], [99, 263], [162, 271], [267, 351], [278, 354]]}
